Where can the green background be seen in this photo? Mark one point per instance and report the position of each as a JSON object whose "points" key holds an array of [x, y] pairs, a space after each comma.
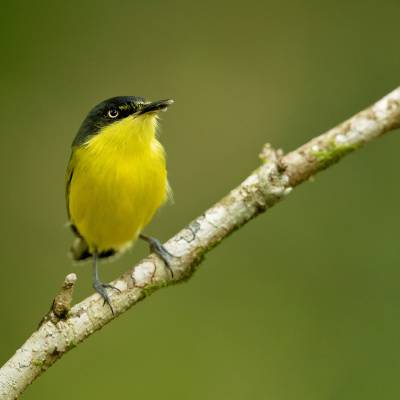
{"points": [[302, 303]]}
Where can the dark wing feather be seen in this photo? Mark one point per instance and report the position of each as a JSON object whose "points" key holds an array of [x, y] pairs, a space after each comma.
{"points": [[68, 180]]}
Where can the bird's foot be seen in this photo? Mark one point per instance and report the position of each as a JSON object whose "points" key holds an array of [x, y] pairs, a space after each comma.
{"points": [[157, 247], [100, 288]]}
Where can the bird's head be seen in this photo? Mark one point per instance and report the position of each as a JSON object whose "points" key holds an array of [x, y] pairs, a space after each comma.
{"points": [[122, 112]]}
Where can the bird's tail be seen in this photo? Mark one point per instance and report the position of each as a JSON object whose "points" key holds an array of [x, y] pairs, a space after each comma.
{"points": [[80, 251]]}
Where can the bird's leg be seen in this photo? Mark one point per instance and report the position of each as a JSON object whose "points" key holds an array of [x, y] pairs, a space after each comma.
{"points": [[99, 286], [157, 247]]}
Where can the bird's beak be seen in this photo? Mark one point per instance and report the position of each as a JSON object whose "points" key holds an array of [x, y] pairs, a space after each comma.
{"points": [[159, 105]]}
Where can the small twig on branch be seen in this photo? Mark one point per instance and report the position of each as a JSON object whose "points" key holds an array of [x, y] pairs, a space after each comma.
{"points": [[62, 302], [266, 186]]}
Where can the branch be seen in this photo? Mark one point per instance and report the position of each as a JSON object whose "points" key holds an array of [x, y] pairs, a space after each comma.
{"points": [[62, 302], [265, 187]]}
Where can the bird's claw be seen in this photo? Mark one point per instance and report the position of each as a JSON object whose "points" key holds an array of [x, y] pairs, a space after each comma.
{"points": [[101, 290], [157, 247]]}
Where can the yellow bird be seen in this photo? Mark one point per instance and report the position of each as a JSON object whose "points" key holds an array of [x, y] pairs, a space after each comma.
{"points": [[116, 180]]}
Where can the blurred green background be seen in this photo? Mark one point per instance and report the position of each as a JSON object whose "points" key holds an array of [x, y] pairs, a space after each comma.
{"points": [[304, 302]]}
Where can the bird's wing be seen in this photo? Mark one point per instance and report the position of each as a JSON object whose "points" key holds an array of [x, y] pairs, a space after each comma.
{"points": [[68, 179]]}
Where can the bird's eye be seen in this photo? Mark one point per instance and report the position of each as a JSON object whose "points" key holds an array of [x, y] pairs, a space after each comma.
{"points": [[112, 113]]}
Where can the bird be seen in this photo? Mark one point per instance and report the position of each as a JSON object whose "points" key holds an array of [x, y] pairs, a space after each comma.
{"points": [[116, 180]]}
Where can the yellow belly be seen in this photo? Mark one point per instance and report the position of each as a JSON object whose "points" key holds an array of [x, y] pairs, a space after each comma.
{"points": [[115, 192]]}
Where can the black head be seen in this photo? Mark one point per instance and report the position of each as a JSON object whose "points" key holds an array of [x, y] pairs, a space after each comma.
{"points": [[105, 113]]}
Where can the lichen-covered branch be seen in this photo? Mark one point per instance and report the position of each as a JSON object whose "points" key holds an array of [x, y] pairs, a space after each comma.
{"points": [[352, 134], [266, 186]]}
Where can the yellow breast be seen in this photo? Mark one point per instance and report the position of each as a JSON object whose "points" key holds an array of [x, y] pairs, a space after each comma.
{"points": [[119, 180]]}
